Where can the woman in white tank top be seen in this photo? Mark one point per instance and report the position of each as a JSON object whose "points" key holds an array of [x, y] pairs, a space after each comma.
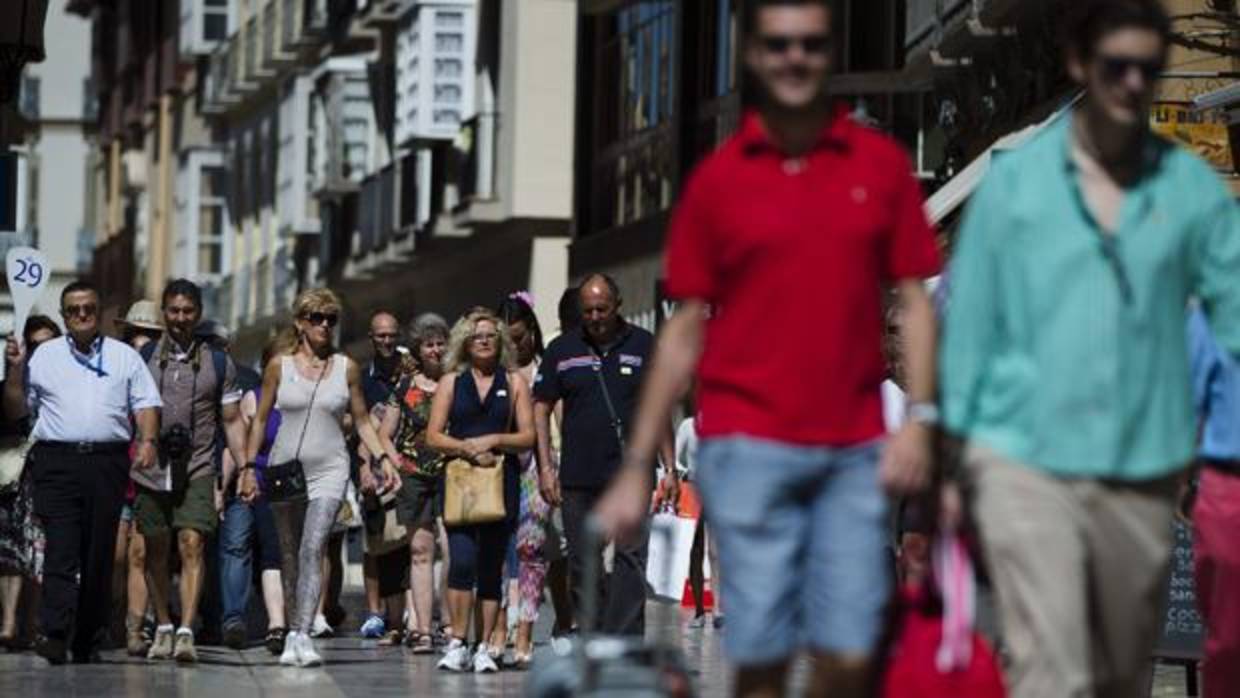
{"points": [[314, 387]]}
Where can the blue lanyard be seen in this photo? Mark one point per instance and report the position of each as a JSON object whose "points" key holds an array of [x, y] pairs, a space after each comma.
{"points": [[96, 351]]}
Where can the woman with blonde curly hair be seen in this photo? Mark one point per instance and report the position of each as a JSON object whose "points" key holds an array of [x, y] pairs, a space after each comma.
{"points": [[313, 387], [482, 412]]}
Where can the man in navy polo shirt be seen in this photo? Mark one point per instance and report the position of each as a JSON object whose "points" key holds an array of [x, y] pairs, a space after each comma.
{"points": [[608, 348], [789, 235]]}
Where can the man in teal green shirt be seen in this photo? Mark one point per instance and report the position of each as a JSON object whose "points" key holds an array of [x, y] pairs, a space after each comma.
{"points": [[1064, 366]]}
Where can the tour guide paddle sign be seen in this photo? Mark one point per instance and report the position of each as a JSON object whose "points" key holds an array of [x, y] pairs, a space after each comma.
{"points": [[27, 272]]}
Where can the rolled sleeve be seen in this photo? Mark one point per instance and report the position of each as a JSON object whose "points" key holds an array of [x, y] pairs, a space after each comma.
{"points": [[1218, 268], [690, 265], [143, 393], [969, 327], [912, 252]]}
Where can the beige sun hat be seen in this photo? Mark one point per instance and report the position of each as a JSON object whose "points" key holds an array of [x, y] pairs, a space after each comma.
{"points": [[143, 315]]}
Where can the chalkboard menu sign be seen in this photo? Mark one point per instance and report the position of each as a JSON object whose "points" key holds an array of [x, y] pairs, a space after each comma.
{"points": [[1183, 630]]}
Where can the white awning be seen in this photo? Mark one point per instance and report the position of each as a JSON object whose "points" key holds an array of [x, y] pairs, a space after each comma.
{"points": [[952, 195], [1222, 97]]}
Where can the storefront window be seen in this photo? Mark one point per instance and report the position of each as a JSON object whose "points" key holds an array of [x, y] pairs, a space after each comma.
{"points": [[633, 144]]}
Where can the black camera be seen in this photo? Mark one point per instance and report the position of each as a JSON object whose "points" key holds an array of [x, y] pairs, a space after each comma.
{"points": [[176, 447]]}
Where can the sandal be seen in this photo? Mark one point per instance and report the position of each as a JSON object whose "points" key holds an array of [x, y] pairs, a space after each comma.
{"points": [[521, 662], [419, 643], [392, 638]]}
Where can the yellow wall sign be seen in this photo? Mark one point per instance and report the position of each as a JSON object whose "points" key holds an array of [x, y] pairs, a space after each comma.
{"points": [[1203, 132]]}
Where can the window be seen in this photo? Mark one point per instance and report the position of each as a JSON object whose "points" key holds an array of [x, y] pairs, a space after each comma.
{"points": [[29, 100], [449, 20], [211, 219], [447, 93], [447, 68], [633, 159], [449, 42], [214, 20], [447, 116]]}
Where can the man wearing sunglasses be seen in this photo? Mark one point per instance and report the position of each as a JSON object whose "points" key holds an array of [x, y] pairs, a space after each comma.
{"points": [[804, 207], [1064, 365], [82, 391]]}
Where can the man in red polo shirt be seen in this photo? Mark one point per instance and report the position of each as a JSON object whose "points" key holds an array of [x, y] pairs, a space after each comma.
{"points": [[789, 235]]}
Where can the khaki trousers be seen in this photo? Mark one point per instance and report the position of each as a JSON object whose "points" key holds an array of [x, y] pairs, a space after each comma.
{"points": [[1080, 569]]}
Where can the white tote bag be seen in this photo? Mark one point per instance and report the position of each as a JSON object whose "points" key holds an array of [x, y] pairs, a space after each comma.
{"points": [[667, 564]]}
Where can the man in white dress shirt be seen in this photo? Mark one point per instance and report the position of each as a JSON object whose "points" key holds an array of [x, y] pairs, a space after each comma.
{"points": [[85, 392]]}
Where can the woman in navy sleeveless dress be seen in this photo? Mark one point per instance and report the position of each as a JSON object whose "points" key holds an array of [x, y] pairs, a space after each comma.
{"points": [[481, 412]]}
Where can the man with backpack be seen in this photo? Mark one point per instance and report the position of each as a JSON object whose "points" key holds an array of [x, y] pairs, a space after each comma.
{"points": [[198, 386]]}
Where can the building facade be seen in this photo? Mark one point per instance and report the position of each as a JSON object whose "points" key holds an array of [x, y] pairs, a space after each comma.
{"points": [[411, 155]]}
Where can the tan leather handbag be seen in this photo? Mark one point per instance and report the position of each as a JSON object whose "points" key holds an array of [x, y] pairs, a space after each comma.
{"points": [[473, 494]]}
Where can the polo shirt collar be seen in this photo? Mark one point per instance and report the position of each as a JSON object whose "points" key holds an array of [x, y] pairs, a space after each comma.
{"points": [[1151, 150], [622, 336], [836, 133], [96, 345]]}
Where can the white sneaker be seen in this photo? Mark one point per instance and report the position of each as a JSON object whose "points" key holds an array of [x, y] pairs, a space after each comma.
{"points": [[561, 645], [484, 663], [307, 655], [456, 658], [289, 657], [321, 628]]}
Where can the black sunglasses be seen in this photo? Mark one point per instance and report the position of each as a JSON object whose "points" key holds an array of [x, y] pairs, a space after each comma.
{"points": [[85, 309], [815, 44], [317, 318], [1116, 68]]}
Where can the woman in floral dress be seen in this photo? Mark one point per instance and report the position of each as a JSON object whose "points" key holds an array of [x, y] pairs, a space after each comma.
{"points": [[21, 538]]}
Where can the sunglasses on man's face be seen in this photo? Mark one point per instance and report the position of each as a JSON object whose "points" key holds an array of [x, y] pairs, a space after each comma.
{"points": [[317, 318], [1116, 69], [83, 310], [813, 44]]}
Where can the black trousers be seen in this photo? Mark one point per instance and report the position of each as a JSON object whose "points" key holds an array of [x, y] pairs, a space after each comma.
{"points": [[621, 595], [78, 499]]}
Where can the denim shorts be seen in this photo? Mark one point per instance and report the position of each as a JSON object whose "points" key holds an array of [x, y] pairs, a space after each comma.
{"points": [[801, 535]]}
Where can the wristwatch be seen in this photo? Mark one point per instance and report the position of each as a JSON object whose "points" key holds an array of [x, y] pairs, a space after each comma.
{"points": [[924, 413]]}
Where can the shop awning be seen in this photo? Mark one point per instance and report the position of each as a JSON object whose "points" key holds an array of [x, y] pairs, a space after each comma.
{"points": [[958, 189]]}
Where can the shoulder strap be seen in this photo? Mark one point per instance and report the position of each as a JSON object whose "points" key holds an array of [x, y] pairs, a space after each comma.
{"points": [[220, 361], [309, 408], [611, 407]]}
